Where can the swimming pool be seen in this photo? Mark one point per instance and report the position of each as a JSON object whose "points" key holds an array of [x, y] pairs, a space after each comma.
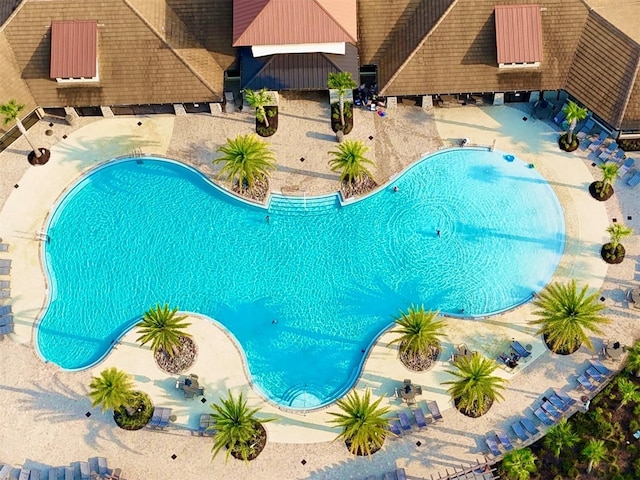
{"points": [[306, 293]]}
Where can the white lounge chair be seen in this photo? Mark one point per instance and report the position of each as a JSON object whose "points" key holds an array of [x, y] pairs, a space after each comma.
{"points": [[5, 284], [623, 169], [4, 247], [5, 270], [595, 145], [5, 293], [584, 131]]}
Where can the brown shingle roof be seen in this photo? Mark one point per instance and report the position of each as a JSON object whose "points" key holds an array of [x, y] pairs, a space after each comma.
{"points": [[631, 119], [136, 66], [459, 53], [74, 45], [518, 33], [285, 22], [604, 70]]}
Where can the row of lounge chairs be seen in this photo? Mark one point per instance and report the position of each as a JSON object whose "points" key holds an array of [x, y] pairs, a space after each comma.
{"points": [[517, 352], [95, 468], [404, 422], [553, 407], [6, 316]]}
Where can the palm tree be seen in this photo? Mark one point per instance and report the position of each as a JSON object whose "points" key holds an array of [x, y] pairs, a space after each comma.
{"points": [[349, 159], [595, 451], [237, 428], [574, 113], [560, 436], [111, 390], [163, 328], [246, 158], [618, 231], [519, 464], [605, 186], [342, 82], [364, 426], [258, 100], [419, 332], [11, 111], [566, 315], [629, 390], [476, 388], [633, 361]]}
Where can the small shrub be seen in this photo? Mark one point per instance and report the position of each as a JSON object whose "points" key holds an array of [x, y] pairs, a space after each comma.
{"points": [[558, 477], [614, 469], [573, 473], [634, 425], [636, 467], [636, 410]]}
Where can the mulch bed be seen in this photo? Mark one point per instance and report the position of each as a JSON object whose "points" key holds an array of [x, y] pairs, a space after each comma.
{"points": [[348, 118], [419, 362], [138, 415], [359, 187], [359, 452], [272, 118], [181, 361], [474, 413], [596, 188], [611, 256], [259, 191], [258, 441], [44, 158], [561, 351]]}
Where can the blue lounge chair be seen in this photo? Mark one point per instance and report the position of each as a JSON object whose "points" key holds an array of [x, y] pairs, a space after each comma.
{"points": [[595, 145], [6, 329], [551, 410], [585, 383], [543, 417], [5, 262], [625, 167], [404, 421], [434, 409], [558, 403], [420, 419], [5, 293], [504, 440], [529, 426], [560, 116], [519, 431], [584, 131], [4, 309], [5, 471], [633, 181], [5, 284], [607, 152], [519, 349], [6, 319], [617, 158], [595, 374], [5, 270], [493, 446], [401, 474], [395, 428], [600, 367], [156, 417], [564, 397], [103, 469], [166, 416]]}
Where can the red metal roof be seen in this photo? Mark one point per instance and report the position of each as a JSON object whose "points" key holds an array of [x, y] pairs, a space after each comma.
{"points": [[74, 46], [518, 33], [293, 22]]}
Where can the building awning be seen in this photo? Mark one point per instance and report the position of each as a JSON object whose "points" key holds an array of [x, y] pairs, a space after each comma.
{"points": [[74, 48], [518, 34], [295, 71]]}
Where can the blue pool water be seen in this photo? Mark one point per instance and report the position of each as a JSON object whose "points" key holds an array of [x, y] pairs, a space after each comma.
{"points": [[135, 233]]}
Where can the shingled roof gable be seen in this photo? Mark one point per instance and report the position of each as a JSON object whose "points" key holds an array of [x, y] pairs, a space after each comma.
{"points": [[459, 54], [604, 69], [125, 68], [307, 21]]}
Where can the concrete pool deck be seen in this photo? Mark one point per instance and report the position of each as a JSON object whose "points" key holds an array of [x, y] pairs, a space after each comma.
{"points": [[47, 405]]}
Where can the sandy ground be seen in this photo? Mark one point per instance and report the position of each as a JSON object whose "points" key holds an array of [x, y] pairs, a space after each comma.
{"points": [[44, 409]]}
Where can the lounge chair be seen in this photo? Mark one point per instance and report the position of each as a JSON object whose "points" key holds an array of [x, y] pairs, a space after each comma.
{"points": [[558, 403], [24, 474], [156, 417], [633, 181], [435, 411], [205, 422], [84, 470], [5, 471], [595, 145], [5, 262], [6, 319], [404, 421], [529, 426], [115, 475], [551, 410], [607, 152], [34, 474], [420, 419], [69, 473], [4, 309], [6, 329], [584, 131], [395, 428], [617, 158], [390, 476], [103, 469], [400, 474], [560, 116], [5, 270], [5, 284], [5, 293], [4, 247], [166, 416], [600, 367], [564, 397], [595, 374], [625, 167], [493, 446], [519, 430], [504, 439], [517, 347], [585, 383], [94, 467], [52, 474], [543, 417]]}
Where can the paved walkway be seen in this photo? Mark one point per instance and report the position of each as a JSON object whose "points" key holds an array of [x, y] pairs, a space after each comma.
{"points": [[47, 406]]}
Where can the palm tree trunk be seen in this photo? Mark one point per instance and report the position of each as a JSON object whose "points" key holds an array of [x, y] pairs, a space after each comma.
{"points": [[590, 466], [24, 133], [572, 127], [264, 115], [341, 101]]}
